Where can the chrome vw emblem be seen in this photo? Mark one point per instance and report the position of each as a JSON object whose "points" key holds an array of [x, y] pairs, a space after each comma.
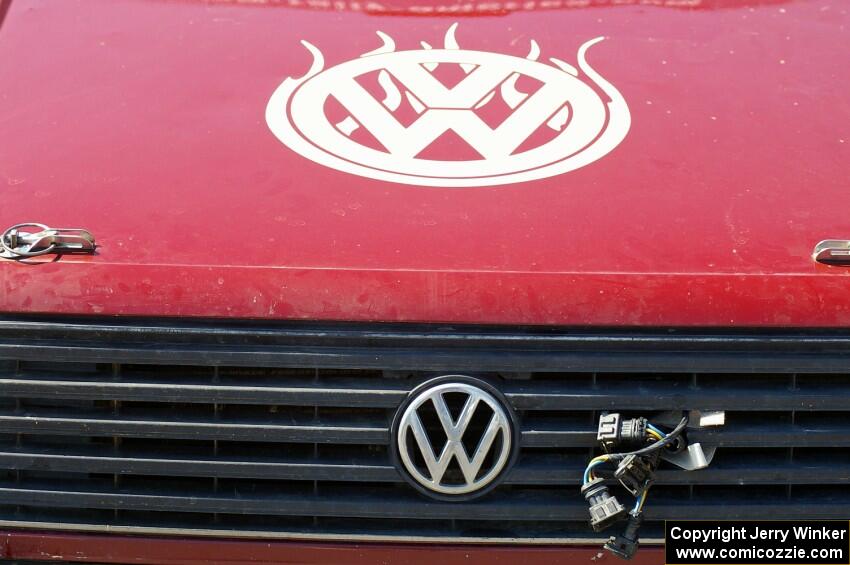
{"points": [[454, 438], [398, 115]]}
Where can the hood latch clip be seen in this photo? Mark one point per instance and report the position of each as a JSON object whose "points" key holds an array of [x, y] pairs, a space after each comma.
{"points": [[832, 252], [22, 241]]}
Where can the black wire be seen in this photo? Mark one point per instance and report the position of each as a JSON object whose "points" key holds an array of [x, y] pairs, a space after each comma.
{"points": [[677, 431]]}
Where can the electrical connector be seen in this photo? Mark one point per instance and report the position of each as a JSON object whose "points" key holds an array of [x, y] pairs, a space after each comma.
{"points": [[636, 447], [605, 509], [616, 433], [626, 544], [636, 473]]}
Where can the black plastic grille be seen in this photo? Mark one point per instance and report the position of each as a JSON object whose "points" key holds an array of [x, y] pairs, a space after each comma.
{"points": [[283, 430]]}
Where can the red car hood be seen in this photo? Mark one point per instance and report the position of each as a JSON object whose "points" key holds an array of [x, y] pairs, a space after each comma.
{"points": [[145, 122]]}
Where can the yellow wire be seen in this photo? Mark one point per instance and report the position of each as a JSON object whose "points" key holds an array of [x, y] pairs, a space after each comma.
{"points": [[643, 500], [594, 460], [654, 434]]}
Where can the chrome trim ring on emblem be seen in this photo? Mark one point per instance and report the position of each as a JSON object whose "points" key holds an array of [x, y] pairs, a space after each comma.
{"points": [[454, 437]]}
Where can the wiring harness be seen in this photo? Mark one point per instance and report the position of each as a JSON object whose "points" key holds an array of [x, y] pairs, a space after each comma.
{"points": [[633, 448]]}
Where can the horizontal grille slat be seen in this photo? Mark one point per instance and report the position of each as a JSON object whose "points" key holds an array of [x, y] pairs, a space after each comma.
{"points": [[400, 359], [359, 392], [664, 397], [731, 436], [401, 346], [392, 506], [538, 507], [347, 393], [532, 471], [40, 460], [282, 430], [775, 436], [211, 430], [777, 474]]}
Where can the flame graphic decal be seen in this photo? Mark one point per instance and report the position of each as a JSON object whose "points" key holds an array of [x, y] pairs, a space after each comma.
{"points": [[586, 126]]}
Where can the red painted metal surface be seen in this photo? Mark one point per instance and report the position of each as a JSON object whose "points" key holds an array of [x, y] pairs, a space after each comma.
{"points": [[164, 551], [143, 121]]}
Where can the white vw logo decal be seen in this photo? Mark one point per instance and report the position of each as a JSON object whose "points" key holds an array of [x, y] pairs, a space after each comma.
{"points": [[555, 123], [454, 454]]}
